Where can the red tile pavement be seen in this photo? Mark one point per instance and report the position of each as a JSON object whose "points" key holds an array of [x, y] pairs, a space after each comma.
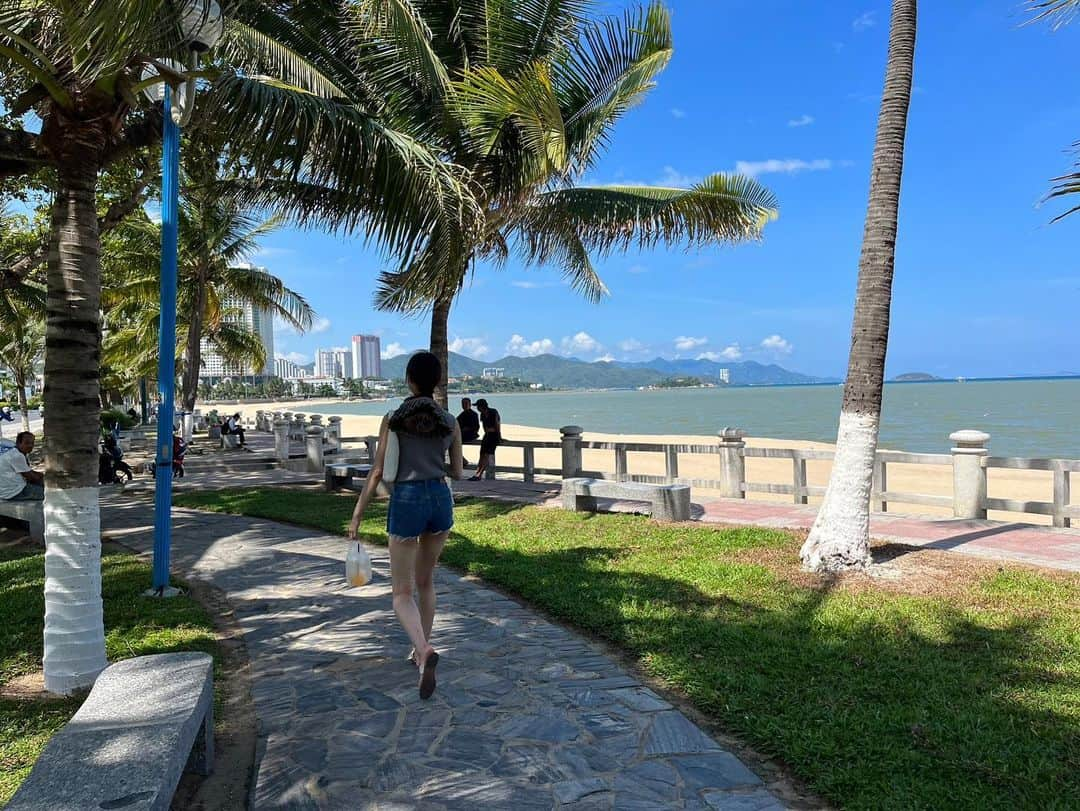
{"points": [[1024, 543]]}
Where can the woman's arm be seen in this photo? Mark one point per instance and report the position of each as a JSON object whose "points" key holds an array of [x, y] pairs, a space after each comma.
{"points": [[371, 482], [457, 465]]}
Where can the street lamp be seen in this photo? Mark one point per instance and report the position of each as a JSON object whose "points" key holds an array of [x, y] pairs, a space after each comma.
{"points": [[201, 26]]}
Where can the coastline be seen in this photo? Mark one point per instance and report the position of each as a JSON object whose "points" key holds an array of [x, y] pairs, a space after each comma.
{"points": [[1023, 485]]}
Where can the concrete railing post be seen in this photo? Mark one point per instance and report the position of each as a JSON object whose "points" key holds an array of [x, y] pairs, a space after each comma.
{"points": [[732, 462], [260, 420], [333, 433], [281, 442], [314, 436], [571, 451], [316, 419], [372, 445], [969, 474]]}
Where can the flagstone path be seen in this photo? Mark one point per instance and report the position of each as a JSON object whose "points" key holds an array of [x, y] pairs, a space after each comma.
{"points": [[528, 715]]}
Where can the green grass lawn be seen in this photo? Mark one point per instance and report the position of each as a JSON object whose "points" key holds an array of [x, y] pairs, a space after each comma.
{"points": [[134, 626], [956, 692]]}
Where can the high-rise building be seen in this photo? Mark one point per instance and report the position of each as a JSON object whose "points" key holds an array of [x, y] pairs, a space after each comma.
{"points": [[254, 319], [287, 370], [366, 356], [334, 362], [724, 375]]}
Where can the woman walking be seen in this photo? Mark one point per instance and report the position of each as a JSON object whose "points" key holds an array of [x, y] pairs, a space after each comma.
{"points": [[421, 510]]}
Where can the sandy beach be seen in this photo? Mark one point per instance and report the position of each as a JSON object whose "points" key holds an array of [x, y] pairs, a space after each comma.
{"points": [[927, 479]]}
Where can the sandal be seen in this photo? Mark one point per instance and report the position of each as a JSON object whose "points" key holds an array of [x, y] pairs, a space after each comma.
{"points": [[474, 478], [427, 676]]}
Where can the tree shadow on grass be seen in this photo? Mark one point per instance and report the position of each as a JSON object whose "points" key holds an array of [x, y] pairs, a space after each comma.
{"points": [[878, 701]]}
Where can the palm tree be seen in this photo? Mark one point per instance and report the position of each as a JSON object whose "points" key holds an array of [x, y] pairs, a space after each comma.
{"points": [[840, 537], [1059, 13], [22, 337], [82, 66], [215, 282], [525, 97]]}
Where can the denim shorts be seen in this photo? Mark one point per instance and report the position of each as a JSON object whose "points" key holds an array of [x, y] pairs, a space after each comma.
{"points": [[419, 507]]}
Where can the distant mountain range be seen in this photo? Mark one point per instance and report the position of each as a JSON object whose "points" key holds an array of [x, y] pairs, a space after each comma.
{"points": [[570, 373]]}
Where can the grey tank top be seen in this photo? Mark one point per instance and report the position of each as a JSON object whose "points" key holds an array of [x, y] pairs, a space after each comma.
{"points": [[422, 457]]}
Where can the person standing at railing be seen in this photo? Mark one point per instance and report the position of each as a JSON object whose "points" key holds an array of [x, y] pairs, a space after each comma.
{"points": [[492, 423]]}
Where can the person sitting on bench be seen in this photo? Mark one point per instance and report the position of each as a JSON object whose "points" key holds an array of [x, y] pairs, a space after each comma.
{"points": [[233, 426], [17, 481]]}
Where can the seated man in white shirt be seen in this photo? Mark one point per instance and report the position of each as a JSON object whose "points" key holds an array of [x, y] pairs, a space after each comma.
{"points": [[17, 481]]}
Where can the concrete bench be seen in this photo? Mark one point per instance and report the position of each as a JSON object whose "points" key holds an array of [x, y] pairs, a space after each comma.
{"points": [[145, 720], [342, 476], [670, 502], [230, 441], [32, 512]]}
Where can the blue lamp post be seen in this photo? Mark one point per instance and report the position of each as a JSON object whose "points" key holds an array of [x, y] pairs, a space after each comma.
{"points": [[202, 26]]}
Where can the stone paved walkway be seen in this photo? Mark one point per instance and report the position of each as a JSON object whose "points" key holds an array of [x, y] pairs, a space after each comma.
{"points": [[527, 715]]}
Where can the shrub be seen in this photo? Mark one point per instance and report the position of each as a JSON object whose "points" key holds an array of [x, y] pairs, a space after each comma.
{"points": [[114, 416]]}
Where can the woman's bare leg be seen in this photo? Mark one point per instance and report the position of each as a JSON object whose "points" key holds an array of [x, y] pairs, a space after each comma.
{"points": [[431, 546], [403, 556]]}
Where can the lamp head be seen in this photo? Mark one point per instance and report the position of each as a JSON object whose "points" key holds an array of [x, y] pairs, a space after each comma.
{"points": [[201, 24]]}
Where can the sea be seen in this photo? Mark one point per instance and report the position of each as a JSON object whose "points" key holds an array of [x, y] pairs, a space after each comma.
{"points": [[1036, 417]]}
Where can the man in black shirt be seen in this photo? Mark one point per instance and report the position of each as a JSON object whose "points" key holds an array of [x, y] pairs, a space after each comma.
{"points": [[492, 438], [469, 421]]}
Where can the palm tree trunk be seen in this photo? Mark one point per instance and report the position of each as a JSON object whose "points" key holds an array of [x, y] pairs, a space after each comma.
{"points": [[193, 352], [840, 537], [20, 382], [440, 346], [74, 632]]}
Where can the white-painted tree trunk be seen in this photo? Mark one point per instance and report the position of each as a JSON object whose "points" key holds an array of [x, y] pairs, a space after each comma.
{"points": [[840, 537], [74, 629]]}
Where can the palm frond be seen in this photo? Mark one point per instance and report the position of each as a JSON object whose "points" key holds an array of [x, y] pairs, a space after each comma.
{"points": [[607, 71], [1066, 186], [398, 188], [257, 52], [557, 242], [722, 208], [488, 103], [406, 48], [1059, 12]]}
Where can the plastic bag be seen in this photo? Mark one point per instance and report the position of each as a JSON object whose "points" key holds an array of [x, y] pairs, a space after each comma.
{"points": [[357, 565]]}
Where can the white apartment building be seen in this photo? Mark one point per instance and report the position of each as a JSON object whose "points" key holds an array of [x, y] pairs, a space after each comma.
{"points": [[366, 357]]}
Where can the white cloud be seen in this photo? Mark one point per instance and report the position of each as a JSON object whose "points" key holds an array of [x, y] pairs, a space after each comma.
{"points": [[393, 350], [631, 345], [802, 121], [320, 325], [788, 166], [637, 269], [517, 345], [864, 21], [774, 343], [684, 343], [472, 347], [296, 357], [609, 358], [673, 178], [678, 112], [581, 343], [732, 352], [271, 252]]}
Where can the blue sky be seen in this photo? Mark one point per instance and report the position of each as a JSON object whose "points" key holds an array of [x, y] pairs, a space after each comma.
{"points": [[788, 90]]}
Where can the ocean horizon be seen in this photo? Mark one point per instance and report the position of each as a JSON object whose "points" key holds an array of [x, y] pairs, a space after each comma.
{"points": [[1028, 416]]}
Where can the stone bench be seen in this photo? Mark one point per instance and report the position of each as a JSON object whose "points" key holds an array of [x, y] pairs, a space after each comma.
{"points": [[670, 502], [230, 441], [145, 721], [32, 512], [342, 476]]}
